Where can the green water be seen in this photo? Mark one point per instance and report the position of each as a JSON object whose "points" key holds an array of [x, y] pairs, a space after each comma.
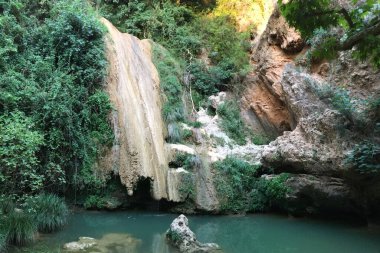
{"points": [[249, 234]]}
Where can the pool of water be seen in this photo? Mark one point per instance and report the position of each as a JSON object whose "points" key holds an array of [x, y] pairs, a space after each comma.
{"points": [[248, 234]]}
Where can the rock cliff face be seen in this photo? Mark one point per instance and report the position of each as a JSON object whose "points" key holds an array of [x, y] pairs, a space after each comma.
{"points": [[262, 102], [315, 136], [133, 85]]}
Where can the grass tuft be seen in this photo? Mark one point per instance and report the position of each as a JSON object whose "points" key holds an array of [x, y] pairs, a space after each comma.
{"points": [[49, 211]]}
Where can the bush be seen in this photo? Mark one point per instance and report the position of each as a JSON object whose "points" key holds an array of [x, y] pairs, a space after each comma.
{"points": [[231, 122], [49, 211], [20, 228], [233, 182], [365, 158], [259, 139], [19, 143], [240, 189], [95, 202], [187, 188]]}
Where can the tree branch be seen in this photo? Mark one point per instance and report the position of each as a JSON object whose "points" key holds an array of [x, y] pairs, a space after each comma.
{"points": [[357, 37], [347, 17]]}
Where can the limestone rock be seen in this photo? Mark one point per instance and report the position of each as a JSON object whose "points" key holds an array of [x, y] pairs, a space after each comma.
{"points": [[181, 236], [133, 87], [82, 244], [118, 242], [320, 195]]}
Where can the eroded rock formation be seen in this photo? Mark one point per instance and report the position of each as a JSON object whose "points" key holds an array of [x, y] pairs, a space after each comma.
{"points": [[318, 136], [133, 85], [181, 236]]}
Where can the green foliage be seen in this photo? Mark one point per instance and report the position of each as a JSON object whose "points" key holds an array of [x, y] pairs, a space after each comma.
{"points": [[233, 182], [241, 190], [49, 211], [369, 48], [224, 44], [162, 21], [187, 187], [365, 157], [20, 228], [173, 236], [95, 202], [302, 15], [268, 192], [185, 160], [260, 139], [323, 45], [53, 67], [311, 17], [19, 144], [170, 82], [336, 96], [232, 122]]}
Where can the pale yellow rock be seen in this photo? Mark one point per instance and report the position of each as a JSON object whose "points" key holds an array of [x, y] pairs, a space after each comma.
{"points": [[133, 86]]}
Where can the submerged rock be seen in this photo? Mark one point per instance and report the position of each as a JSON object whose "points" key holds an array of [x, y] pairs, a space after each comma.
{"points": [[180, 235], [119, 243], [82, 244]]}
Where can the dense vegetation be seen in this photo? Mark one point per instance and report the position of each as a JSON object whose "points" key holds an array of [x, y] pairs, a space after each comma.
{"points": [[53, 112], [241, 188]]}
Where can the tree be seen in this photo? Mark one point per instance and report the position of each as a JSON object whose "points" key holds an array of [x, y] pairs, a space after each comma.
{"points": [[358, 24]]}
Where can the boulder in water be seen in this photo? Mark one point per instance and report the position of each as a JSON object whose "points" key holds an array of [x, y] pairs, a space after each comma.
{"points": [[181, 236]]}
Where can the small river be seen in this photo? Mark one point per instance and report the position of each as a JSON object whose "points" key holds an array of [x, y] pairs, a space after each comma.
{"points": [[142, 232]]}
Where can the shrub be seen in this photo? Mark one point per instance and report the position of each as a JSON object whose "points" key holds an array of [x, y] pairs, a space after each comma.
{"points": [[95, 202], [233, 182], [19, 143], [49, 211], [231, 122], [187, 187], [20, 228], [240, 190], [174, 133], [365, 157], [259, 139]]}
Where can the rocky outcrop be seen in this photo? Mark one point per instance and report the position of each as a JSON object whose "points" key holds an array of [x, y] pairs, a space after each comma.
{"points": [[263, 104], [314, 135], [315, 146], [181, 236], [133, 85], [321, 195]]}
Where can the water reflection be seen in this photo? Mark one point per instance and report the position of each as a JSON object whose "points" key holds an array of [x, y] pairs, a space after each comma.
{"points": [[144, 233]]}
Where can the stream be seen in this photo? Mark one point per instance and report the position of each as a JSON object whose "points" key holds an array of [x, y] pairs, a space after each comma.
{"points": [[142, 232]]}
